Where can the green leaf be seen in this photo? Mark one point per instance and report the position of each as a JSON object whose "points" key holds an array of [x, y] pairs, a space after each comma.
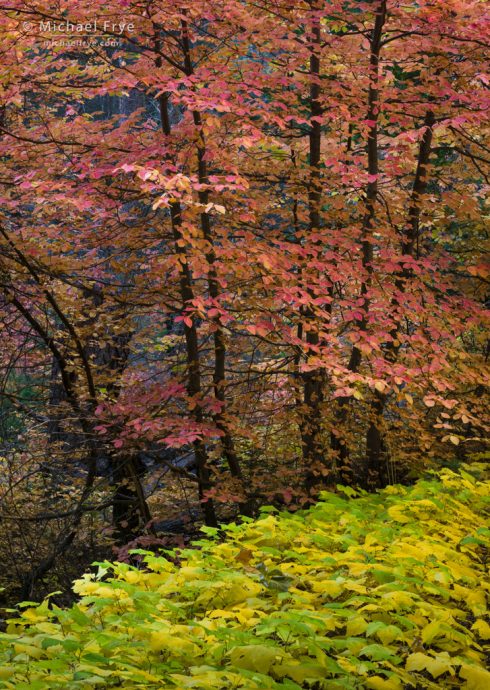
{"points": [[377, 652]]}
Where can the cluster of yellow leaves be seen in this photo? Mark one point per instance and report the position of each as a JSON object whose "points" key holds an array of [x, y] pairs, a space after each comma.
{"points": [[384, 591]]}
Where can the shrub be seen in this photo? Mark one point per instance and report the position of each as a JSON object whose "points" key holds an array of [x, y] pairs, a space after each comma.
{"points": [[379, 591]]}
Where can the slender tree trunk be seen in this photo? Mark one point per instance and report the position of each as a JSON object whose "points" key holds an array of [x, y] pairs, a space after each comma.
{"points": [[376, 462], [313, 381], [219, 339], [337, 441], [194, 388]]}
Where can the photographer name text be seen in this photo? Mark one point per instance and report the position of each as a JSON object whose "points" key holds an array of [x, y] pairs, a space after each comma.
{"points": [[92, 27]]}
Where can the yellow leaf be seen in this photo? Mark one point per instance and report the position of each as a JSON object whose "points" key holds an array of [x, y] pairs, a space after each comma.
{"points": [[388, 634], [247, 616], [356, 626], [397, 600], [396, 513], [221, 613], [378, 683], [255, 657], [299, 672], [474, 599], [431, 631], [462, 572], [176, 644], [477, 678], [34, 615], [329, 587], [134, 577], [477, 602], [482, 628], [356, 569], [29, 649], [435, 665]]}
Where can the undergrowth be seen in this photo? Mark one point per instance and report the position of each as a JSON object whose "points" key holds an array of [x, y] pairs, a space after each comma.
{"points": [[381, 591]]}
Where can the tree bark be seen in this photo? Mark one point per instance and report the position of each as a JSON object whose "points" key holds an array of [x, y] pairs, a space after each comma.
{"points": [[337, 440], [219, 340], [376, 461], [194, 388], [313, 381]]}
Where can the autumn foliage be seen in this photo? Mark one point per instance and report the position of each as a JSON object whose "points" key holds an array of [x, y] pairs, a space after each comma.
{"points": [[251, 234], [381, 591]]}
